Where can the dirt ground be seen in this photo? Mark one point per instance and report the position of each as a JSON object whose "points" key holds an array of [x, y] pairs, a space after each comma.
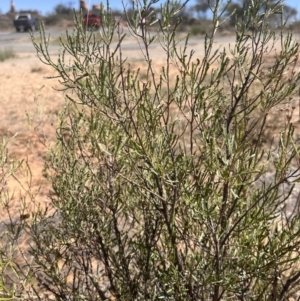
{"points": [[27, 95]]}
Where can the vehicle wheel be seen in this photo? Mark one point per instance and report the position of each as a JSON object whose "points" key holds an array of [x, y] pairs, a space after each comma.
{"points": [[18, 29]]}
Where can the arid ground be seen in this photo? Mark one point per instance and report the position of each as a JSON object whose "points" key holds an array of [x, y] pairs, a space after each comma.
{"points": [[25, 96]]}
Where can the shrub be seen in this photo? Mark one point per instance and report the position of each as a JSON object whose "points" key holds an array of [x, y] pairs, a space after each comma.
{"points": [[6, 54], [197, 30], [164, 187]]}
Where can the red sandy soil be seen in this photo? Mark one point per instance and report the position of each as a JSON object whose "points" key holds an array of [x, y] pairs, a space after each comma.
{"points": [[27, 95]]}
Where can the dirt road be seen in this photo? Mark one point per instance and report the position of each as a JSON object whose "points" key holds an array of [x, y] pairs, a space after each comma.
{"points": [[20, 42]]}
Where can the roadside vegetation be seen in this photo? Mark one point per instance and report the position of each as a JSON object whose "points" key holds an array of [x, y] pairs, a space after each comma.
{"points": [[164, 185], [6, 54]]}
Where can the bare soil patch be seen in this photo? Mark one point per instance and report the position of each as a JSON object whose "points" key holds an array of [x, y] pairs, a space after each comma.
{"points": [[29, 107]]}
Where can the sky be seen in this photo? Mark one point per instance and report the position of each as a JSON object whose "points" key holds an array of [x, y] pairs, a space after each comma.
{"points": [[47, 6]]}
